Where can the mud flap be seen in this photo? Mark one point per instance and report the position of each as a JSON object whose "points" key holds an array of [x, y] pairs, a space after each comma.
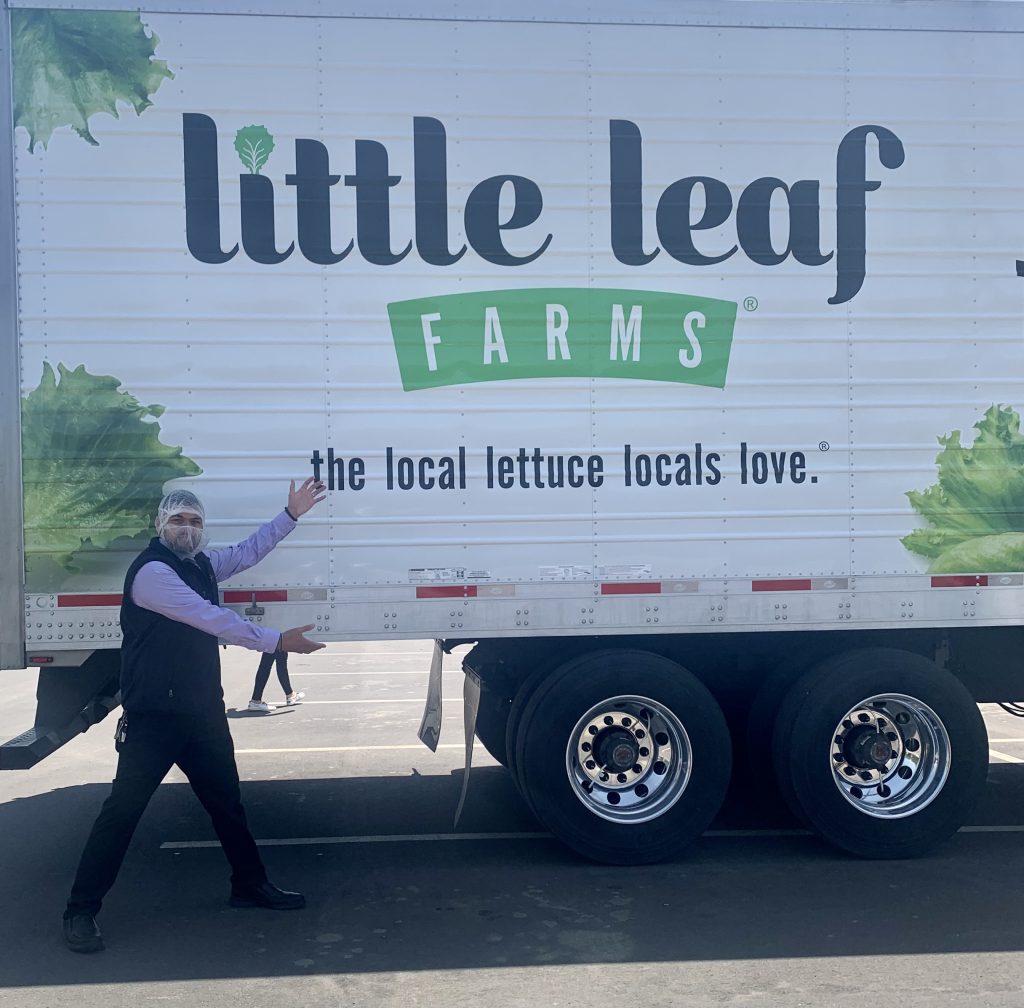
{"points": [[430, 725], [470, 707]]}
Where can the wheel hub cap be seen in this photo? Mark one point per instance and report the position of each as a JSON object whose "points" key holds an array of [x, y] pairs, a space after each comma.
{"points": [[618, 751], [869, 749], [614, 748], [890, 756], [628, 759]]}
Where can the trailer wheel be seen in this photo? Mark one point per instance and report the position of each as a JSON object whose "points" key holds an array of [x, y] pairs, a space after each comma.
{"points": [[523, 696], [754, 759], [515, 715], [763, 710], [881, 751], [623, 755]]}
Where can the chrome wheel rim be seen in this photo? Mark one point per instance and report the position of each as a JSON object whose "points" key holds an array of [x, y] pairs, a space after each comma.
{"points": [[890, 756], [628, 759]]}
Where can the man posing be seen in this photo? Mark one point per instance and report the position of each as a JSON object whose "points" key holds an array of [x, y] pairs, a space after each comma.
{"points": [[171, 620]]}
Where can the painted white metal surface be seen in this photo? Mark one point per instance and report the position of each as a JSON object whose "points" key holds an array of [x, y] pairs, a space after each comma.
{"points": [[835, 15], [829, 413], [12, 561]]}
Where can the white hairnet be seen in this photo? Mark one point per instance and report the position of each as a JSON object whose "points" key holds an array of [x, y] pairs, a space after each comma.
{"points": [[177, 502], [184, 540]]}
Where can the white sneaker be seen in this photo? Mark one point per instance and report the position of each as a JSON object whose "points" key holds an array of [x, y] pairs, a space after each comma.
{"points": [[260, 705], [294, 698]]}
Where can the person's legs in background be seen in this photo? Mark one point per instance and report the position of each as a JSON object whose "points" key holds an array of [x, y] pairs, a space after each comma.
{"points": [[262, 676], [290, 696]]}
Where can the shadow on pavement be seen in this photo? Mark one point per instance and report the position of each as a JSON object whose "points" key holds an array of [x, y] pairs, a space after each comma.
{"points": [[387, 906]]}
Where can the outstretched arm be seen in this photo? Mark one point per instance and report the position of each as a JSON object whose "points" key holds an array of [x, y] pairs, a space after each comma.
{"points": [[233, 560], [156, 587]]}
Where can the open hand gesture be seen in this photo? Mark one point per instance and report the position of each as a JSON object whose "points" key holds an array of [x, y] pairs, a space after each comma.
{"points": [[296, 641], [300, 501]]}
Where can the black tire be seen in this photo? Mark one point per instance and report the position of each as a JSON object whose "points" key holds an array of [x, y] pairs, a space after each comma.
{"points": [[759, 724], [809, 738], [515, 714], [492, 723], [682, 803], [754, 758]]}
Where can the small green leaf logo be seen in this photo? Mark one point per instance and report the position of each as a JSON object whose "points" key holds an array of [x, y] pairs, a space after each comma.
{"points": [[254, 144]]}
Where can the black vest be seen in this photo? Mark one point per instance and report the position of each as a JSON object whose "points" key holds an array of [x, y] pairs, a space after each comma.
{"points": [[167, 665]]}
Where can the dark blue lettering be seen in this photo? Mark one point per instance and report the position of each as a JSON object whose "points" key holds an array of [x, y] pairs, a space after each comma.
{"points": [[627, 208], [430, 162], [675, 224], [753, 222], [483, 229], [851, 185], [373, 204], [202, 190], [256, 195], [312, 180]]}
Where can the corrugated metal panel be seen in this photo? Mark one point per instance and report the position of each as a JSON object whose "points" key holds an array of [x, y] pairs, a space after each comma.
{"points": [[12, 628], [829, 414], [892, 15]]}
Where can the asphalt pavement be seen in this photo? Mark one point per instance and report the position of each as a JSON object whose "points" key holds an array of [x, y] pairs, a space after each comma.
{"points": [[405, 909]]}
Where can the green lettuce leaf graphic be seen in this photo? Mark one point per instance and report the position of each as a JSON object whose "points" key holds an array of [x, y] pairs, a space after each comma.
{"points": [[69, 65], [976, 510], [254, 144], [94, 467]]}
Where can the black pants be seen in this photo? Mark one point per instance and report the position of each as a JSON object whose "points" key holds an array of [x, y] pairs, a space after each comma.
{"points": [[263, 674], [203, 750]]}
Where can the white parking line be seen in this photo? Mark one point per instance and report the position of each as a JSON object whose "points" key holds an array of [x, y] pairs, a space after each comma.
{"points": [[998, 756], [440, 837], [386, 838], [347, 748], [354, 672], [369, 655], [415, 700]]}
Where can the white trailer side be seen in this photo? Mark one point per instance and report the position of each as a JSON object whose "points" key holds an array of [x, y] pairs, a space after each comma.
{"points": [[674, 356]]}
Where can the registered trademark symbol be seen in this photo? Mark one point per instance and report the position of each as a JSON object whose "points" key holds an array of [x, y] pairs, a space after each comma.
{"points": [[750, 303], [823, 446]]}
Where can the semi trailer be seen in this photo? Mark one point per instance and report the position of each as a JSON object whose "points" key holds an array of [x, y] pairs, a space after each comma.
{"points": [[668, 353]]}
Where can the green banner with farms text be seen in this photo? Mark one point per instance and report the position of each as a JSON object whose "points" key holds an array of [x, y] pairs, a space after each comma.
{"points": [[555, 332]]}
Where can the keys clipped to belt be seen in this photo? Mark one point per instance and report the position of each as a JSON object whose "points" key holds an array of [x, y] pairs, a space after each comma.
{"points": [[121, 732]]}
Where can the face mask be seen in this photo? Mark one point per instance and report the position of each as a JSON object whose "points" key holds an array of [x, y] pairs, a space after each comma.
{"points": [[184, 540]]}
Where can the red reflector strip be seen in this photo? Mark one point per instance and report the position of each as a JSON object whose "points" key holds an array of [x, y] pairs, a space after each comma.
{"points": [[630, 587], [270, 595], [41, 660], [791, 584], [446, 591], [70, 601], [960, 581]]}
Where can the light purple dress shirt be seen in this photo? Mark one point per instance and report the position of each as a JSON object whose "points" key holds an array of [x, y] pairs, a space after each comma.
{"points": [[156, 587]]}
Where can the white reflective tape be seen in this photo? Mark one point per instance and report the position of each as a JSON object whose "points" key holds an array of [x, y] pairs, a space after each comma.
{"points": [[307, 595], [495, 590]]}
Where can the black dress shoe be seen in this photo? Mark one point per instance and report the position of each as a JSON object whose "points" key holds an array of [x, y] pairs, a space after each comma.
{"points": [[81, 933], [266, 895]]}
